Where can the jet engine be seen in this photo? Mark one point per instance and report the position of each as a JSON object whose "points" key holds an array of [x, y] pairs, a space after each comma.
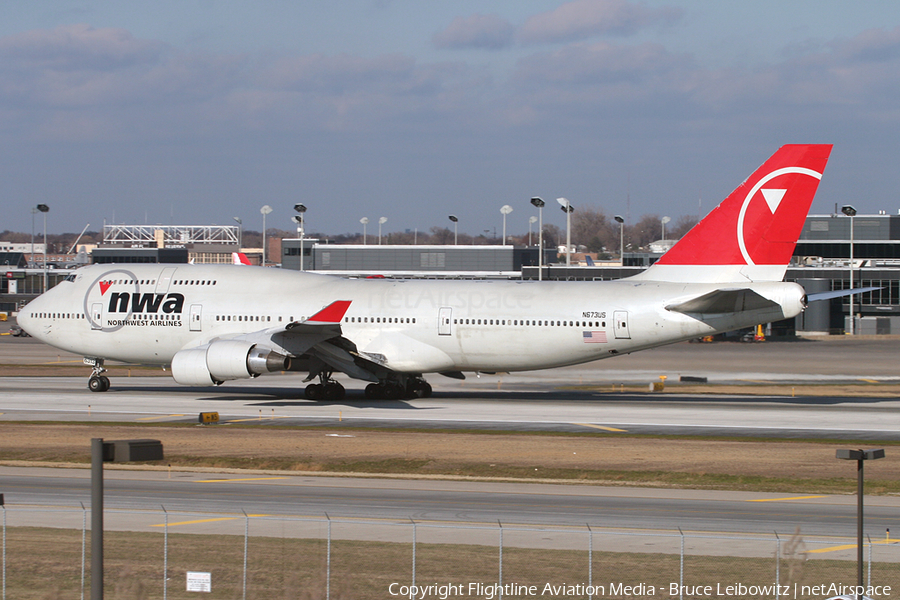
{"points": [[221, 360]]}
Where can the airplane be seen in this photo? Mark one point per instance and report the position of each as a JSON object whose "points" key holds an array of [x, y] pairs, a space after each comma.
{"points": [[216, 323]]}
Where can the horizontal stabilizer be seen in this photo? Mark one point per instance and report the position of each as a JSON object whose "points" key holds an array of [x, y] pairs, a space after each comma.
{"points": [[839, 293], [724, 301]]}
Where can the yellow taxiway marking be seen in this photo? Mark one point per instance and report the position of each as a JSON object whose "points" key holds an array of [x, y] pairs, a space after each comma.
{"points": [[159, 417], [233, 480], [203, 521], [262, 418], [600, 427], [870, 380], [785, 499], [844, 547]]}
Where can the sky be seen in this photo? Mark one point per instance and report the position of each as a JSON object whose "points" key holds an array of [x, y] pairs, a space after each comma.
{"points": [[198, 111]]}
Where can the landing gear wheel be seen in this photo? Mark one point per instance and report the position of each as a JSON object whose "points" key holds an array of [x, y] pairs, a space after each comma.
{"points": [[334, 391], [418, 388], [392, 391], [98, 384], [373, 391], [314, 391]]}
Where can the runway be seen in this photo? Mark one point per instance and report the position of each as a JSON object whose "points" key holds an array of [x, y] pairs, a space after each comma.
{"points": [[573, 399], [275, 402]]}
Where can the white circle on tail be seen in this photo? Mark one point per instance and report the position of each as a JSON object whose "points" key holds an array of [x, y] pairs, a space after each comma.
{"points": [[773, 199]]}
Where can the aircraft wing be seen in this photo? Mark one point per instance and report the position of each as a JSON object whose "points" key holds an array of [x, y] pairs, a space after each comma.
{"points": [[723, 302], [319, 341]]}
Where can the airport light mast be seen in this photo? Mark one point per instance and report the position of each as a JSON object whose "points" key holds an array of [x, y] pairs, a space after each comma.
{"points": [[265, 210], [43, 208], [567, 208], [298, 219], [505, 210], [539, 203], [621, 221], [850, 211], [455, 220]]}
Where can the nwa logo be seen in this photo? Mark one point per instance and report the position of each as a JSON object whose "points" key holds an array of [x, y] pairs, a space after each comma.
{"points": [[109, 308], [124, 302]]}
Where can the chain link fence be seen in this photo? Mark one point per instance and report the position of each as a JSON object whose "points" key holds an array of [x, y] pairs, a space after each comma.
{"points": [[154, 554]]}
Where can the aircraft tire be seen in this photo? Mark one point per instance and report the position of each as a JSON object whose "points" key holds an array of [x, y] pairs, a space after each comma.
{"points": [[105, 381], [373, 391], [392, 391], [314, 392], [334, 391], [96, 384]]}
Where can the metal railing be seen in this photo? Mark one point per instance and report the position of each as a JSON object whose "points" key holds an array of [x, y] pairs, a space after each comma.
{"points": [[149, 554]]}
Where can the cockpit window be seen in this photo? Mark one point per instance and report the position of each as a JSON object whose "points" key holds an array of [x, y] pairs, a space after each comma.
{"points": [[71, 277]]}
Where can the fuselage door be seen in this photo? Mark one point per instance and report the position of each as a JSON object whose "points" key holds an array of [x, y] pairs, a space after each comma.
{"points": [[165, 278], [196, 313], [97, 315], [444, 321], [620, 318]]}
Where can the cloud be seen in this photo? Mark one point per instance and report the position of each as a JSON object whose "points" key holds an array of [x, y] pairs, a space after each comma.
{"points": [[582, 19], [78, 46], [490, 32]]}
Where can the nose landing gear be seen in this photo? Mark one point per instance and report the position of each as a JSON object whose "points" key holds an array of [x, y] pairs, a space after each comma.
{"points": [[98, 381]]}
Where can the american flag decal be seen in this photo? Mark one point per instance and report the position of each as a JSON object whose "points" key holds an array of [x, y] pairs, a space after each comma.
{"points": [[594, 337]]}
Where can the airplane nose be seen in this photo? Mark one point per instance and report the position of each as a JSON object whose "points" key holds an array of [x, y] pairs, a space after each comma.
{"points": [[26, 319]]}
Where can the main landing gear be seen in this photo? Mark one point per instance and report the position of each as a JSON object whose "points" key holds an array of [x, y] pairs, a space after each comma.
{"points": [[326, 389], [415, 387], [98, 381]]}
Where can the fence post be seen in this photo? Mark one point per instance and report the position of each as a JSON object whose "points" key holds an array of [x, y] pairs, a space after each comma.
{"points": [[328, 562], [165, 554], [869, 576], [590, 562], [777, 566], [83, 545], [501, 558], [413, 553], [246, 535], [681, 568], [3, 506]]}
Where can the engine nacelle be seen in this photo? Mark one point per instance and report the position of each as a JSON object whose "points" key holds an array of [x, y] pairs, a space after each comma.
{"points": [[222, 360]]}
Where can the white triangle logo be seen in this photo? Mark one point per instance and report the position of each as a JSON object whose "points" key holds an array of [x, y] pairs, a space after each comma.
{"points": [[773, 198]]}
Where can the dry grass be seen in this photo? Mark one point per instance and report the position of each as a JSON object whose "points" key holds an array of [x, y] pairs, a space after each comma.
{"points": [[45, 564], [595, 457]]}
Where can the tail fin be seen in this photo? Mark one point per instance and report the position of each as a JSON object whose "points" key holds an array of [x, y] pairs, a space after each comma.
{"points": [[239, 258], [751, 235]]}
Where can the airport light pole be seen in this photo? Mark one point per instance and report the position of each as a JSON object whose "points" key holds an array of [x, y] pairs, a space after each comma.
{"points": [[851, 212], [539, 203], [455, 220], [505, 210], [621, 221], [265, 210], [43, 208], [364, 221], [568, 209], [381, 221], [859, 456], [298, 219]]}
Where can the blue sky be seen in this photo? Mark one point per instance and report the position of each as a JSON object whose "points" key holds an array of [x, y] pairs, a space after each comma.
{"points": [[193, 112]]}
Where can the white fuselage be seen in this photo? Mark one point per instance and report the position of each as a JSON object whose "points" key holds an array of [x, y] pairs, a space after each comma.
{"points": [[148, 313]]}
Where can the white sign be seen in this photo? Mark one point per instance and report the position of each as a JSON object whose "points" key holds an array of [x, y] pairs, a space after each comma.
{"points": [[199, 582]]}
